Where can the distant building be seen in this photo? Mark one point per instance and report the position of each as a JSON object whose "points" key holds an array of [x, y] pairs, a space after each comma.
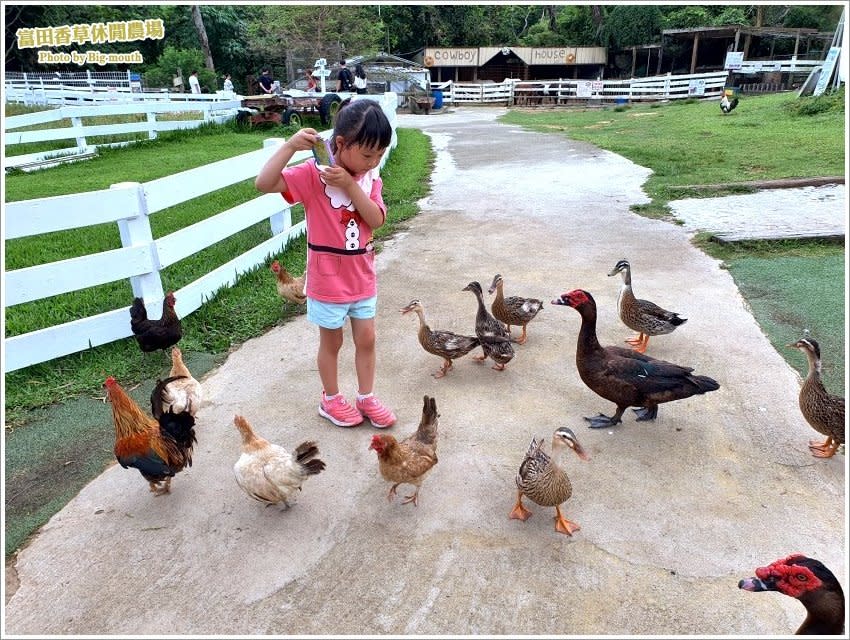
{"points": [[476, 64]]}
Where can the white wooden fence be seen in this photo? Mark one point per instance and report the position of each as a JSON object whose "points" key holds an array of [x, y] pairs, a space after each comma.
{"points": [[566, 91], [210, 111], [141, 258]]}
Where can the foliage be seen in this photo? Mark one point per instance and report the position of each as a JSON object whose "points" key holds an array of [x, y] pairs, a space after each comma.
{"points": [[828, 102], [187, 60], [822, 18], [575, 26], [630, 25], [291, 37]]}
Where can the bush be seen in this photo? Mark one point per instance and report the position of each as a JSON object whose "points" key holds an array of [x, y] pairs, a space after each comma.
{"points": [[829, 102]]}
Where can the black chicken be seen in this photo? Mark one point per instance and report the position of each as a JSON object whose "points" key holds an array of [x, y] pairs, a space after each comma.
{"points": [[153, 335], [623, 376]]}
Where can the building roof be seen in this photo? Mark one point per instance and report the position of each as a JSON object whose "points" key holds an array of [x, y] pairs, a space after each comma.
{"points": [[729, 31]]}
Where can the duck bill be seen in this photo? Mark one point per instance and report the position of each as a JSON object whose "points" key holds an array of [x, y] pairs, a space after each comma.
{"points": [[754, 584], [561, 301]]}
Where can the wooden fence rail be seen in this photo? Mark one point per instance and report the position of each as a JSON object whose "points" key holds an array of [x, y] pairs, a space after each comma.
{"points": [[141, 258], [210, 111]]}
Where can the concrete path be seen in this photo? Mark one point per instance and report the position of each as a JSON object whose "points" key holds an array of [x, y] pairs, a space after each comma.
{"points": [[673, 513]]}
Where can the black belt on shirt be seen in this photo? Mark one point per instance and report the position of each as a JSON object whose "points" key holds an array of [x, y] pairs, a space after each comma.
{"points": [[337, 250]]}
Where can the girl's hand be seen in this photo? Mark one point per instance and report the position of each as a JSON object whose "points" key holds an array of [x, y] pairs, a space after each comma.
{"points": [[303, 140], [336, 176]]}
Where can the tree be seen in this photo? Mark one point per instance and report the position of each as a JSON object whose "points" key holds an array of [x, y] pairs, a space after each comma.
{"points": [[631, 25], [198, 20]]}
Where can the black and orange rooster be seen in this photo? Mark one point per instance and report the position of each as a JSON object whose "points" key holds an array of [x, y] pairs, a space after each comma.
{"points": [[157, 448], [727, 105], [153, 335]]}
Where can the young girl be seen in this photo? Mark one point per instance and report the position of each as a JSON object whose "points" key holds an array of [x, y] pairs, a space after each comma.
{"points": [[342, 204]]}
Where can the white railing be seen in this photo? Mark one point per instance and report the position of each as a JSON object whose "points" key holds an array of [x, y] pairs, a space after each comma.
{"points": [[210, 111], [566, 91], [533, 92], [59, 93], [141, 258]]}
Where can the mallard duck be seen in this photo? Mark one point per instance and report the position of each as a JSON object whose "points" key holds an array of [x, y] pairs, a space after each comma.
{"points": [[544, 482], [492, 334], [513, 310], [810, 582], [445, 344], [822, 410], [642, 316], [623, 376]]}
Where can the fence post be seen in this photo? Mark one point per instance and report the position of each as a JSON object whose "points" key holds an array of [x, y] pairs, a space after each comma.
{"points": [[152, 120], [77, 123], [667, 86], [282, 220], [135, 230]]}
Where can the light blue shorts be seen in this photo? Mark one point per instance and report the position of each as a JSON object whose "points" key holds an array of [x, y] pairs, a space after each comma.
{"points": [[331, 315]]}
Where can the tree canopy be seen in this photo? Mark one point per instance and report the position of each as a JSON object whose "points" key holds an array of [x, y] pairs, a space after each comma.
{"points": [[289, 37]]}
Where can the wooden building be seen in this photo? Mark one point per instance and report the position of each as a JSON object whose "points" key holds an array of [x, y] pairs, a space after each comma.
{"points": [[707, 46], [475, 64]]}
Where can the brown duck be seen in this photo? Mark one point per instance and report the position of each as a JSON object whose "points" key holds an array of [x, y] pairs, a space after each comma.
{"points": [[810, 582], [822, 410], [543, 481], [643, 316], [513, 310], [623, 376], [445, 344], [492, 334]]}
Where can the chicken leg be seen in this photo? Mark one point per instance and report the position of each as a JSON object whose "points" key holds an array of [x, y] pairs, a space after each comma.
{"points": [[562, 525], [519, 511], [414, 498]]}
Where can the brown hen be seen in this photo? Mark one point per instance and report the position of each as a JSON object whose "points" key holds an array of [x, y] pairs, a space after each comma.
{"points": [[408, 461]]}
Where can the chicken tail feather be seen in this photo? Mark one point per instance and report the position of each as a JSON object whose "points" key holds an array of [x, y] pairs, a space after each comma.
{"points": [[427, 431], [160, 396], [304, 454], [313, 467]]}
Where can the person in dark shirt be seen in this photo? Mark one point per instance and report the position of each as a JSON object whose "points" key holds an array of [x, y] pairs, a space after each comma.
{"points": [[344, 80], [266, 81]]}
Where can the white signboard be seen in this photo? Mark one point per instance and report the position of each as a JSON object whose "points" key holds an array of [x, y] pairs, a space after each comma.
{"points": [[734, 60], [696, 87], [828, 68], [584, 89], [596, 86]]}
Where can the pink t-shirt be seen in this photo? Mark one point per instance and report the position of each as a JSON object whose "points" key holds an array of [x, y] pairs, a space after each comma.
{"points": [[340, 257]]}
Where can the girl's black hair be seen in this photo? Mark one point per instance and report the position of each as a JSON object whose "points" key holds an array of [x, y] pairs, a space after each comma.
{"points": [[364, 123], [359, 71]]}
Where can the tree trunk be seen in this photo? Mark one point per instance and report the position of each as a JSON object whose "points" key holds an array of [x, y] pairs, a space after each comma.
{"points": [[202, 36]]}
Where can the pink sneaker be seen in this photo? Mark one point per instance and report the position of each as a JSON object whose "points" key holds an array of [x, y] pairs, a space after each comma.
{"points": [[338, 411], [378, 414]]}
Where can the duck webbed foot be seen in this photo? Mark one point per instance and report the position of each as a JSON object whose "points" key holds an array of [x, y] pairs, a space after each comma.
{"points": [[646, 413], [602, 421]]}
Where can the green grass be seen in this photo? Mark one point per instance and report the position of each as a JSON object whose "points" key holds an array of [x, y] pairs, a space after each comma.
{"points": [[792, 286], [54, 436], [693, 143]]}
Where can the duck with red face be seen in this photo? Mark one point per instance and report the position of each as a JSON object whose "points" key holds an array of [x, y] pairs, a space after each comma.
{"points": [[810, 582]]}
